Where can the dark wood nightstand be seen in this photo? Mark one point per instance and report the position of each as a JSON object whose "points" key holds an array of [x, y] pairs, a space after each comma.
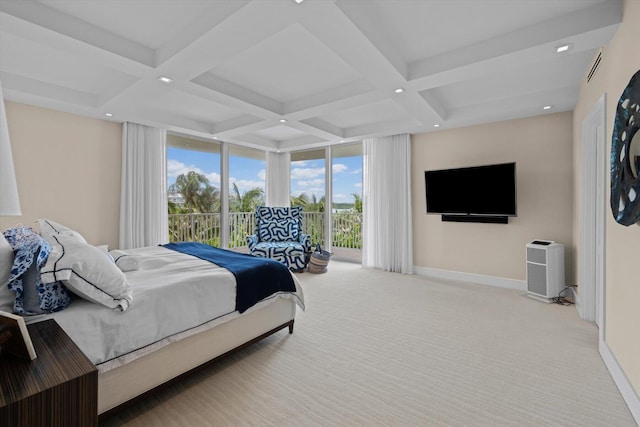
{"points": [[58, 388]]}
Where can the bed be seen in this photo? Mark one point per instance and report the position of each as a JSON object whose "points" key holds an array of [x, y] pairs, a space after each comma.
{"points": [[179, 312]]}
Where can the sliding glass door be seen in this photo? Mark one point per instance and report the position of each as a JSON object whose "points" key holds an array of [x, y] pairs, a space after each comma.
{"points": [[334, 221], [308, 190], [346, 197], [247, 175], [193, 189], [195, 184]]}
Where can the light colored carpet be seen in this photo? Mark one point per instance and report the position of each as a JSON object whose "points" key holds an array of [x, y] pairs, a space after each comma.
{"points": [[378, 348]]}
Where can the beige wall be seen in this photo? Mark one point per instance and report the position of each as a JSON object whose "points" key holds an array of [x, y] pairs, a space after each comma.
{"points": [[68, 170], [542, 149], [621, 59]]}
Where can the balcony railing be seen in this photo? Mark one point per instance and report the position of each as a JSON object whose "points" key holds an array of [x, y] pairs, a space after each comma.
{"points": [[241, 224], [205, 228], [347, 230]]}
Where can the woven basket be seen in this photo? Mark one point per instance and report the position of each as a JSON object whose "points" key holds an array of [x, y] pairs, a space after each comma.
{"points": [[319, 261]]}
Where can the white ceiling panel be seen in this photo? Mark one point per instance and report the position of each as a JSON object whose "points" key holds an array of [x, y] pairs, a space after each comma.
{"points": [[40, 62], [410, 26], [288, 66], [150, 23], [187, 105], [371, 113], [513, 83], [280, 133]]}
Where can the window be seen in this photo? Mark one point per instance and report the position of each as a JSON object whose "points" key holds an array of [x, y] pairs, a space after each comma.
{"points": [[194, 184], [193, 190], [247, 173], [346, 214], [308, 190]]}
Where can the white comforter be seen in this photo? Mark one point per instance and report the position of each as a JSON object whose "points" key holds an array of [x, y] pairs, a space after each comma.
{"points": [[174, 296]]}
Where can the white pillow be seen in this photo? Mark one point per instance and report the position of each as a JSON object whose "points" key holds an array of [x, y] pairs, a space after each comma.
{"points": [[124, 261], [6, 262], [86, 271], [49, 228]]}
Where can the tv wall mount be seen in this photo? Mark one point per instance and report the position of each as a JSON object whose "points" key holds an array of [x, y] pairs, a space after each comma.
{"points": [[476, 218]]}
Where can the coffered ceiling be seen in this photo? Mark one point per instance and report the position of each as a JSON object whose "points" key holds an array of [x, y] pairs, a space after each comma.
{"points": [[280, 75]]}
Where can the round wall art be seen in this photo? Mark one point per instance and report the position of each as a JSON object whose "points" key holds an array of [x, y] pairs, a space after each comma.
{"points": [[625, 156]]}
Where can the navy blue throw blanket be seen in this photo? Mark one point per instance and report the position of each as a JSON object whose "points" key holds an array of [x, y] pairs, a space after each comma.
{"points": [[256, 278]]}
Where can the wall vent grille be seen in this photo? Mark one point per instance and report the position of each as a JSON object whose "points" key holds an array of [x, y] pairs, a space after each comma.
{"points": [[595, 65]]}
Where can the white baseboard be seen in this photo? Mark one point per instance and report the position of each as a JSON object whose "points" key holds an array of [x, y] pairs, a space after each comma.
{"points": [[479, 279], [577, 301], [622, 382]]}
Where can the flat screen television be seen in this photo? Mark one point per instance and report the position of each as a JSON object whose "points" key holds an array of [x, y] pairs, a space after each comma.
{"points": [[474, 191]]}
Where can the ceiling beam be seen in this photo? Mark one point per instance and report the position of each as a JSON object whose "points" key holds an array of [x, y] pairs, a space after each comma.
{"points": [[46, 17]]}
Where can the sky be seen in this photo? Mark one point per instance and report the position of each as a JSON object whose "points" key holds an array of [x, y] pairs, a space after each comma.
{"points": [[306, 176]]}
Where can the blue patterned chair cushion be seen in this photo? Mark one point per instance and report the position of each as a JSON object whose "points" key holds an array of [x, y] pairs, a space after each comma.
{"points": [[291, 254], [285, 230]]}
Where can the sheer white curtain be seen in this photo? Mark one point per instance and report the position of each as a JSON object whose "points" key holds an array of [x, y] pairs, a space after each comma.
{"points": [[387, 234], [9, 202], [278, 185], [143, 204]]}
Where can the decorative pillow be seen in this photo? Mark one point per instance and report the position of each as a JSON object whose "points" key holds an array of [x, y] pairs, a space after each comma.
{"points": [[49, 228], [31, 295], [283, 230], [6, 262], [124, 261], [86, 271], [40, 298], [105, 250]]}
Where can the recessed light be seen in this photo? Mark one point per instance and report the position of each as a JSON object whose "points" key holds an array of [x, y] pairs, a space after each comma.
{"points": [[165, 79], [399, 90], [547, 107], [215, 137], [108, 114], [283, 121], [342, 140], [436, 125], [277, 151], [563, 48], [297, 1]]}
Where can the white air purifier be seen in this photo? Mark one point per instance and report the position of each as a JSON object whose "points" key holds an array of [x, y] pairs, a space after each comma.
{"points": [[545, 270]]}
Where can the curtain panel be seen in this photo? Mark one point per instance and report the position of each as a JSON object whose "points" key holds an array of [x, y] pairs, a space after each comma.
{"points": [[387, 231], [9, 202], [143, 205]]}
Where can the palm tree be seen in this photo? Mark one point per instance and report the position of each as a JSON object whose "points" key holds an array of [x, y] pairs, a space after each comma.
{"points": [[174, 208], [208, 200], [301, 200], [198, 194], [315, 205], [246, 202], [189, 186], [357, 205]]}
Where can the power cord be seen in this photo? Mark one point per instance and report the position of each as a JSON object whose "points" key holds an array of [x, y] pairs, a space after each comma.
{"points": [[560, 299]]}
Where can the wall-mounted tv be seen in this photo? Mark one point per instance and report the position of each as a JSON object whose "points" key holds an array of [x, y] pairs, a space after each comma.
{"points": [[482, 191]]}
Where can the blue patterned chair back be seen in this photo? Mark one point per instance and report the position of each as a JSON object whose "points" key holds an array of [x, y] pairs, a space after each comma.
{"points": [[265, 213]]}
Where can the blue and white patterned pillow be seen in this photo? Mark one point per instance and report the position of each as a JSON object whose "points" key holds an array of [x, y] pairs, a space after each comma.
{"points": [[279, 230], [31, 253]]}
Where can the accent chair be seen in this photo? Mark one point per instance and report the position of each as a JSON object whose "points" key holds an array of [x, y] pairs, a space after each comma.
{"points": [[278, 235]]}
